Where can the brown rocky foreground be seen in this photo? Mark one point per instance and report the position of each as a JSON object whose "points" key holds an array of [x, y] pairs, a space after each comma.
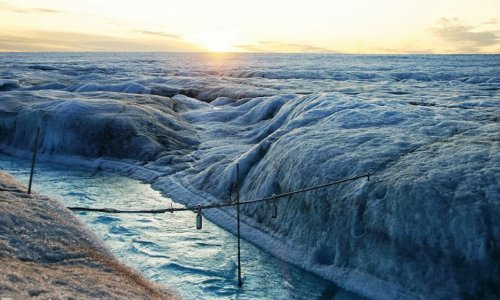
{"points": [[47, 253]]}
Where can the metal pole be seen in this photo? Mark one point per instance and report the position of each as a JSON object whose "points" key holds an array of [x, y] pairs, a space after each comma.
{"points": [[240, 283], [35, 148]]}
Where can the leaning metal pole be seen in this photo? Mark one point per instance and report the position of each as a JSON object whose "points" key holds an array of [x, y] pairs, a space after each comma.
{"points": [[35, 148], [240, 283]]}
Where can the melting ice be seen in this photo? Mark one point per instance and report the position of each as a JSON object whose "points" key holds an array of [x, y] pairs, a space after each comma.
{"points": [[426, 225]]}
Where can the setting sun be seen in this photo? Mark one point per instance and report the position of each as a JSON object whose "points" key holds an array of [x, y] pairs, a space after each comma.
{"points": [[215, 42]]}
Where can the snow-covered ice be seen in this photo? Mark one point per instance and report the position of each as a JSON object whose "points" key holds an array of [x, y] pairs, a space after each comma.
{"points": [[425, 225]]}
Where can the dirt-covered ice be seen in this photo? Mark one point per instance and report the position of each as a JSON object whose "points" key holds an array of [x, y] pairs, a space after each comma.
{"points": [[46, 252]]}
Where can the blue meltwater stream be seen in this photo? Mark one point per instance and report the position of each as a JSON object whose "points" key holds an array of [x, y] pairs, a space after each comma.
{"points": [[167, 248]]}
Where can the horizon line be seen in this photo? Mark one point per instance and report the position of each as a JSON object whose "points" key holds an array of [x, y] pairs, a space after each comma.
{"points": [[239, 53]]}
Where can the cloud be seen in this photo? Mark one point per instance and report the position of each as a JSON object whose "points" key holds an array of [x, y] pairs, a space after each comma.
{"points": [[404, 50], [464, 37], [45, 10], [298, 47], [250, 48], [269, 46], [160, 33], [76, 41], [491, 22], [31, 10]]}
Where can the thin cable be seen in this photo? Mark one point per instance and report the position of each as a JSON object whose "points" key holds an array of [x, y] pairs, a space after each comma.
{"points": [[210, 206]]}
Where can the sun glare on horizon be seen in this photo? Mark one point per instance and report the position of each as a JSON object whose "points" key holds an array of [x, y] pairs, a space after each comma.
{"points": [[216, 42]]}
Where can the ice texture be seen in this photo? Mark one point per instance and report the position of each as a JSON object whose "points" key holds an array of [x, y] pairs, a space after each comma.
{"points": [[427, 221], [8, 84], [94, 125], [426, 225]]}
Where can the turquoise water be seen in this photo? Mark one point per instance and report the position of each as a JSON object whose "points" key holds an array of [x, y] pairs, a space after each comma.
{"points": [[167, 248]]}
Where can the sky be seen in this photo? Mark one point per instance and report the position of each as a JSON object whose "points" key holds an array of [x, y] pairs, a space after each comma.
{"points": [[291, 26]]}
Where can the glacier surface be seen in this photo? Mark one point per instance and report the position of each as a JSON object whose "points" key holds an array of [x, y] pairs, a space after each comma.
{"points": [[425, 225]]}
